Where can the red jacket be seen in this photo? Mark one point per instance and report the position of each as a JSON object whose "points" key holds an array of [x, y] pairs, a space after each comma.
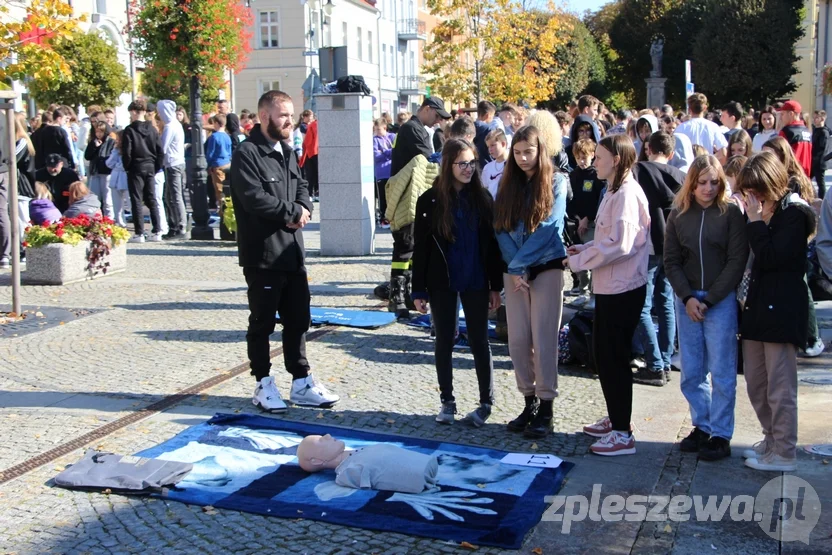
{"points": [[800, 137], [310, 142]]}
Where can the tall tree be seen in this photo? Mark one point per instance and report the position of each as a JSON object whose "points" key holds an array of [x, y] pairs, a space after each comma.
{"points": [[631, 34], [581, 60], [27, 45], [180, 38], [455, 56], [613, 91], [522, 64], [741, 68], [97, 76]]}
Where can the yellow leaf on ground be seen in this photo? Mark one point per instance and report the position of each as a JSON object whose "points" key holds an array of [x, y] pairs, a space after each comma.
{"points": [[481, 486], [470, 546], [537, 551], [534, 447], [391, 421], [667, 528], [320, 415]]}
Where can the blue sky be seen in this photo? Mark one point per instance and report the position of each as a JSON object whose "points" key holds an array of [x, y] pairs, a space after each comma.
{"points": [[580, 6]]}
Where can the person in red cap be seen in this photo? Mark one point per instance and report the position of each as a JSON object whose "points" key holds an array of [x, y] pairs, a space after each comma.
{"points": [[798, 135]]}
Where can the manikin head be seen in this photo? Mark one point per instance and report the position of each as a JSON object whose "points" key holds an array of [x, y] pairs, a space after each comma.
{"points": [[320, 452]]}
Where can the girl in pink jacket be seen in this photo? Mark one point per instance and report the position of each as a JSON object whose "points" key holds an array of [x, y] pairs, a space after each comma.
{"points": [[618, 260]]}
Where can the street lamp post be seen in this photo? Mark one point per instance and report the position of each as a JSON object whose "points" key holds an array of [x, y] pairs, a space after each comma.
{"points": [[199, 169]]}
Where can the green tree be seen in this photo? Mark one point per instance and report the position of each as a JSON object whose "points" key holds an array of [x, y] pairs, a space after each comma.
{"points": [[159, 87], [96, 76], [755, 60], [631, 34], [582, 61], [612, 91]]}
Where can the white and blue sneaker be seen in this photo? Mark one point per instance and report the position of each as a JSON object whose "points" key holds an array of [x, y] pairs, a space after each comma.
{"points": [[267, 397], [309, 393]]}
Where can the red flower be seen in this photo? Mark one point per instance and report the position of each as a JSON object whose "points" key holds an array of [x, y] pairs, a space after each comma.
{"points": [[59, 233], [25, 244]]}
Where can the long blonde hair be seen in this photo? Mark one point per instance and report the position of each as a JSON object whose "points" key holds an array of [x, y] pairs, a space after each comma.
{"points": [[783, 150], [702, 164], [20, 133]]}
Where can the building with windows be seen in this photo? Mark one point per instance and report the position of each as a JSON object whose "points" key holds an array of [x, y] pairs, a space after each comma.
{"points": [[382, 41]]}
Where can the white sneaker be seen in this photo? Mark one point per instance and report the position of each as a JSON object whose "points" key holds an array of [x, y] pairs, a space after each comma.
{"points": [[758, 451], [267, 397], [306, 392], [816, 349], [772, 462], [136, 239], [615, 443], [154, 238]]}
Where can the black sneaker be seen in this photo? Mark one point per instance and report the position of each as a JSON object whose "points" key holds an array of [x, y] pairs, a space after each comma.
{"points": [[175, 236], [649, 377], [717, 448], [540, 426], [695, 441], [521, 422], [667, 374]]}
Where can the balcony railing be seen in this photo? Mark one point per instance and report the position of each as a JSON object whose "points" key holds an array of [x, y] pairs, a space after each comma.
{"points": [[412, 29], [413, 85]]}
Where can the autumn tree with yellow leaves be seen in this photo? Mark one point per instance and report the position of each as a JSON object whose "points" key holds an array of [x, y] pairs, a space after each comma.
{"points": [[28, 43], [522, 64]]}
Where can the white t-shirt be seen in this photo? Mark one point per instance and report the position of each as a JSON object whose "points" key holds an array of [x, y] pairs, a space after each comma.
{"points": [[491, 175], [704, 133]]}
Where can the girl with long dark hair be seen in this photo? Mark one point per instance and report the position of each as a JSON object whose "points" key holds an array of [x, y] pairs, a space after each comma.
{"points": [[618, 258], [456, 256], [529, 220]]}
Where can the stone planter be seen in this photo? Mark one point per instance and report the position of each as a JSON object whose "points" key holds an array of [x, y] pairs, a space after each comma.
{"points": [[59, 264]]}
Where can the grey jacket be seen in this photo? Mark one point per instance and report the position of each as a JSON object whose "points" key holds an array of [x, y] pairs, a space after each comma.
{"points": [[89, 205], [705, 250]]}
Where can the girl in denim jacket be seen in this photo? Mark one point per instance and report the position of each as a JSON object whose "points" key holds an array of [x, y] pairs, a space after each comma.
{"points": [[529, 220]]}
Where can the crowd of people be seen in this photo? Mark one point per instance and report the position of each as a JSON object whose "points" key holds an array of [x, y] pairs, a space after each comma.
{"points": [[702, 219], [65, 161], [698, 218]]}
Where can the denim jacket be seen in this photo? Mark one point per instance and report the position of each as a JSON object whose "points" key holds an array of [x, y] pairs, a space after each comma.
{"points": [[522, 250]]}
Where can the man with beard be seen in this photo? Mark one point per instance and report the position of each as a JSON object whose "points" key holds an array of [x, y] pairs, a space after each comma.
{"points": [[272, 206]]}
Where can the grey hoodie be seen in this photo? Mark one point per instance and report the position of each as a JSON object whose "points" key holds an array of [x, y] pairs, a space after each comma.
{"points": [[173, 136]]}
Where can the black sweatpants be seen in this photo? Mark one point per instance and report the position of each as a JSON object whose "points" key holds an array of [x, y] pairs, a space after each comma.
{"points": [[443, 307], [819, 172], [381, 196], [142, 187], [271, 292], [311, 169], [616, 318]]}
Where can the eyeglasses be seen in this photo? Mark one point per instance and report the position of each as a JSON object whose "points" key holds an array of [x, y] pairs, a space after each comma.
{"points": [[470, 165]]}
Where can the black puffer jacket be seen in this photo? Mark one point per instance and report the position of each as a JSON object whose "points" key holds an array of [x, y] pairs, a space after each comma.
{"points": [[777, 306], [141, 149]]}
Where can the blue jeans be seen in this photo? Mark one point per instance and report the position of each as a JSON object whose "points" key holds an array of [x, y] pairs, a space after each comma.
{"points": [[710, 347], [657, 349]]}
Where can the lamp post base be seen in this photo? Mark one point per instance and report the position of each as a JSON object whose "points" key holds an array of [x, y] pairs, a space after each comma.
{"points": [[202, 233]]}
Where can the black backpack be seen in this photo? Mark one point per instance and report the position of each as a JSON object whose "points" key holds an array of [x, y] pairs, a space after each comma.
{"points": [[580, 339], [352, 84]]}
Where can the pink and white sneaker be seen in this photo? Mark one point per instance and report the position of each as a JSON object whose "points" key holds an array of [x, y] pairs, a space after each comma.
{"points": [[615, 443], [601, 428]]}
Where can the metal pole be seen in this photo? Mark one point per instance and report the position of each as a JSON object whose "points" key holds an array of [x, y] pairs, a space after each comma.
{"points": [[13, 210], [199, 198]]}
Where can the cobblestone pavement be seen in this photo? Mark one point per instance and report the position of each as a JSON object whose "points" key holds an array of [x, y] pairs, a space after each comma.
{"points": [[178, 317]]}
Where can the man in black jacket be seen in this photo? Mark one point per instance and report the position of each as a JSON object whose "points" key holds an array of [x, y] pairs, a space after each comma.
{"points": [[142, 156], [272, 206], [660, 183], [411, 141], [58, 177]]}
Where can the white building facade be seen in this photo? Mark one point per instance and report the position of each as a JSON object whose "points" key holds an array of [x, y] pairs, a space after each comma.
{"points": [[382, 43]]}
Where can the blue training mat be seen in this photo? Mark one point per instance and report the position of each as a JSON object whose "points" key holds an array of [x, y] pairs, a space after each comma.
{"points": [[247, 463], [368, 319], [423, 321]]}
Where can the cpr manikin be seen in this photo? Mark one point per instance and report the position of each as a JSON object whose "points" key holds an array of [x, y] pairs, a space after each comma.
{"points": [[380, 467]]}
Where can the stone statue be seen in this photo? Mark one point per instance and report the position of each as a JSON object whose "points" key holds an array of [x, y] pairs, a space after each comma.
{"points": [[656, 48]]}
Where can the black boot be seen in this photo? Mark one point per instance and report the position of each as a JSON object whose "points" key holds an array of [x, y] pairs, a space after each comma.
{"points": [[398, 292], [541, 425], [408, 300], [519, 424]]}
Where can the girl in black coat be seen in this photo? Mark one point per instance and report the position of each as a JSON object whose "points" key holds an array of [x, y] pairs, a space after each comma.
{"points": [[456, 256], [775, 308]]}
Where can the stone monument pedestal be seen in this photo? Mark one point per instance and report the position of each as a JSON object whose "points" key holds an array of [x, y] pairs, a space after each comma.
{"points": [[346, 174], [655, 91]]}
